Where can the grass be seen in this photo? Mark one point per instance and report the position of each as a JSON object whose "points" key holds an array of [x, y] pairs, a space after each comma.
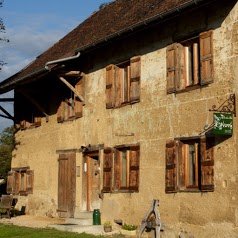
{"points": [[19, 231]]}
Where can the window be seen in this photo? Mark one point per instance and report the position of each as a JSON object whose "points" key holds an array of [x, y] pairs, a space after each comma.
{"points": [[71, 107], [20, 181], [190, 63], [123, 83], [34, 122], [27, 111], [189, 165], [121, 169]]}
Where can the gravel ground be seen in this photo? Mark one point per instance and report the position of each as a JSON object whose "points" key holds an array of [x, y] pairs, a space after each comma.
{"points": [[31, 221]]}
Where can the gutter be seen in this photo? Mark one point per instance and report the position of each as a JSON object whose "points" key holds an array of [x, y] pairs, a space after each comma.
{"points": [[61, 60], [159, 18]]}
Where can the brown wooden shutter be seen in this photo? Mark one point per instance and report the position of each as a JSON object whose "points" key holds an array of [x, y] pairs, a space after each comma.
{"points": [[206, 57], [171, 60], [29, 181], [23, 125], [110, 79], [37, 121], [180, 83], [207, 164], [60, 112], [134, 168], [118, 87], [170, 173], [66, 108], [135, 71], [117, 169], [181, 165], [78, 105], [13, 182], [107, 170]]}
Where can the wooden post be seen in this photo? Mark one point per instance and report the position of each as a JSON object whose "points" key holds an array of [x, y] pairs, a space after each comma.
{"points": [[71, 88]]}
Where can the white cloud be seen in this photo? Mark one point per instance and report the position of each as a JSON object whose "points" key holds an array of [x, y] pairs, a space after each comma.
{"points": [[26, 43]]}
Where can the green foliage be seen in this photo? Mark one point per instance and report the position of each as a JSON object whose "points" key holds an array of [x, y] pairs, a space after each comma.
{"points": [[107, 223], [16, 231], [129, 227], [7, 145], [104, 5]]}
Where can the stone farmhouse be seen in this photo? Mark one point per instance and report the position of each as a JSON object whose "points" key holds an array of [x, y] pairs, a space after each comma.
{"points": [[136, 103]]}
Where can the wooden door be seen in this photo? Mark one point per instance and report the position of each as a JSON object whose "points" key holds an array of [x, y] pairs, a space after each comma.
{"points": [[66, 185], [93, 181]]}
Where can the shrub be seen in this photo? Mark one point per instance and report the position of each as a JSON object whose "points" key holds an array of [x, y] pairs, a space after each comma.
{"points": [[129, 227]]}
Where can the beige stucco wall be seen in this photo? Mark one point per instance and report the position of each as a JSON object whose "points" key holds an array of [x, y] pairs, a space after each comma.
{"points": [[157, 118]]}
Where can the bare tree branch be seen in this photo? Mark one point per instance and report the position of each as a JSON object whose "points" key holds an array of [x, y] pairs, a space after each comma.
{"points": [[2, 31]]}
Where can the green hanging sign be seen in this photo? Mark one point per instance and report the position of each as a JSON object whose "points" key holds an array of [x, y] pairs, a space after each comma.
{"points": [[223, 124]]}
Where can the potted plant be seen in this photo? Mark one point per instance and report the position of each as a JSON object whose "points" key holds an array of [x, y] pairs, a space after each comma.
{"points": [[128, 229], [107, 226]]}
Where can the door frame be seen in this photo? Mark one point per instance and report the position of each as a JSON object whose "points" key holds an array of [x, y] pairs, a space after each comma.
{"points": [[88, 157]]}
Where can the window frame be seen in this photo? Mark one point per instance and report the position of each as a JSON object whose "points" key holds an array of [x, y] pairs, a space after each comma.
{"points": [[177, 63], [121, 92], [71, 107], [119, 178], [176, 170], [187, 170], [20, 181]]}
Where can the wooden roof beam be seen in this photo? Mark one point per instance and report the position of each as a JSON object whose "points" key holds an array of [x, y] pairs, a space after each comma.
{"points": [[72, 88], [70, 73], [6, 99], [8, 115]]}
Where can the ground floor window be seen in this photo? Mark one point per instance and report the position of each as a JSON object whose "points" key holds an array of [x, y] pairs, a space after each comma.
{"points": [[20, 181], [121, 169], [189, 164]]}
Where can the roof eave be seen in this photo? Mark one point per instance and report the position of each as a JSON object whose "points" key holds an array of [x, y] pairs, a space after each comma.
{"points": [[8, 84]]}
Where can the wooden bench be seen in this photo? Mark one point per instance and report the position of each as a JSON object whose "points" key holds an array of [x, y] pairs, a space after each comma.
{"points": [[6, 206]]}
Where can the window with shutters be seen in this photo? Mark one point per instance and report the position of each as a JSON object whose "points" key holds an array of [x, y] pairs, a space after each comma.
{"points": [[71, 107], [121, 169], [189, 165], [123, 83], [20, 181], [190, 63], [31, 123]]}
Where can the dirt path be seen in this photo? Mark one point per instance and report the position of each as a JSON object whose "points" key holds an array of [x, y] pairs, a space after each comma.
{"points": [[31, 221]]}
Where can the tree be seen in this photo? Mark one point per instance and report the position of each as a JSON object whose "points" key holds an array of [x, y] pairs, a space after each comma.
{"points": [[104, 5], [2, 31], [7, 144]]}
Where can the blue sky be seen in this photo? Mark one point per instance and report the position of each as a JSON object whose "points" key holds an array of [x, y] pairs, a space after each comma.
{"points": [[32, 27]]}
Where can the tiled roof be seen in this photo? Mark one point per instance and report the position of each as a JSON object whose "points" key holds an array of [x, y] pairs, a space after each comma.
{"points": [[113, 18]]}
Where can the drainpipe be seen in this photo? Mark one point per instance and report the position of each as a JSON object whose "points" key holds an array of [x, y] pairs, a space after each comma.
{"points": [[10, 85], [61, 60]]}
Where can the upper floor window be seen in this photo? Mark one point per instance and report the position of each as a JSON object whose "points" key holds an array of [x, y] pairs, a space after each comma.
{"points": [[190, 63], [31, 123], [26, 113], [71, 107], [123, 83], [189, 165], [121, 169]]}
